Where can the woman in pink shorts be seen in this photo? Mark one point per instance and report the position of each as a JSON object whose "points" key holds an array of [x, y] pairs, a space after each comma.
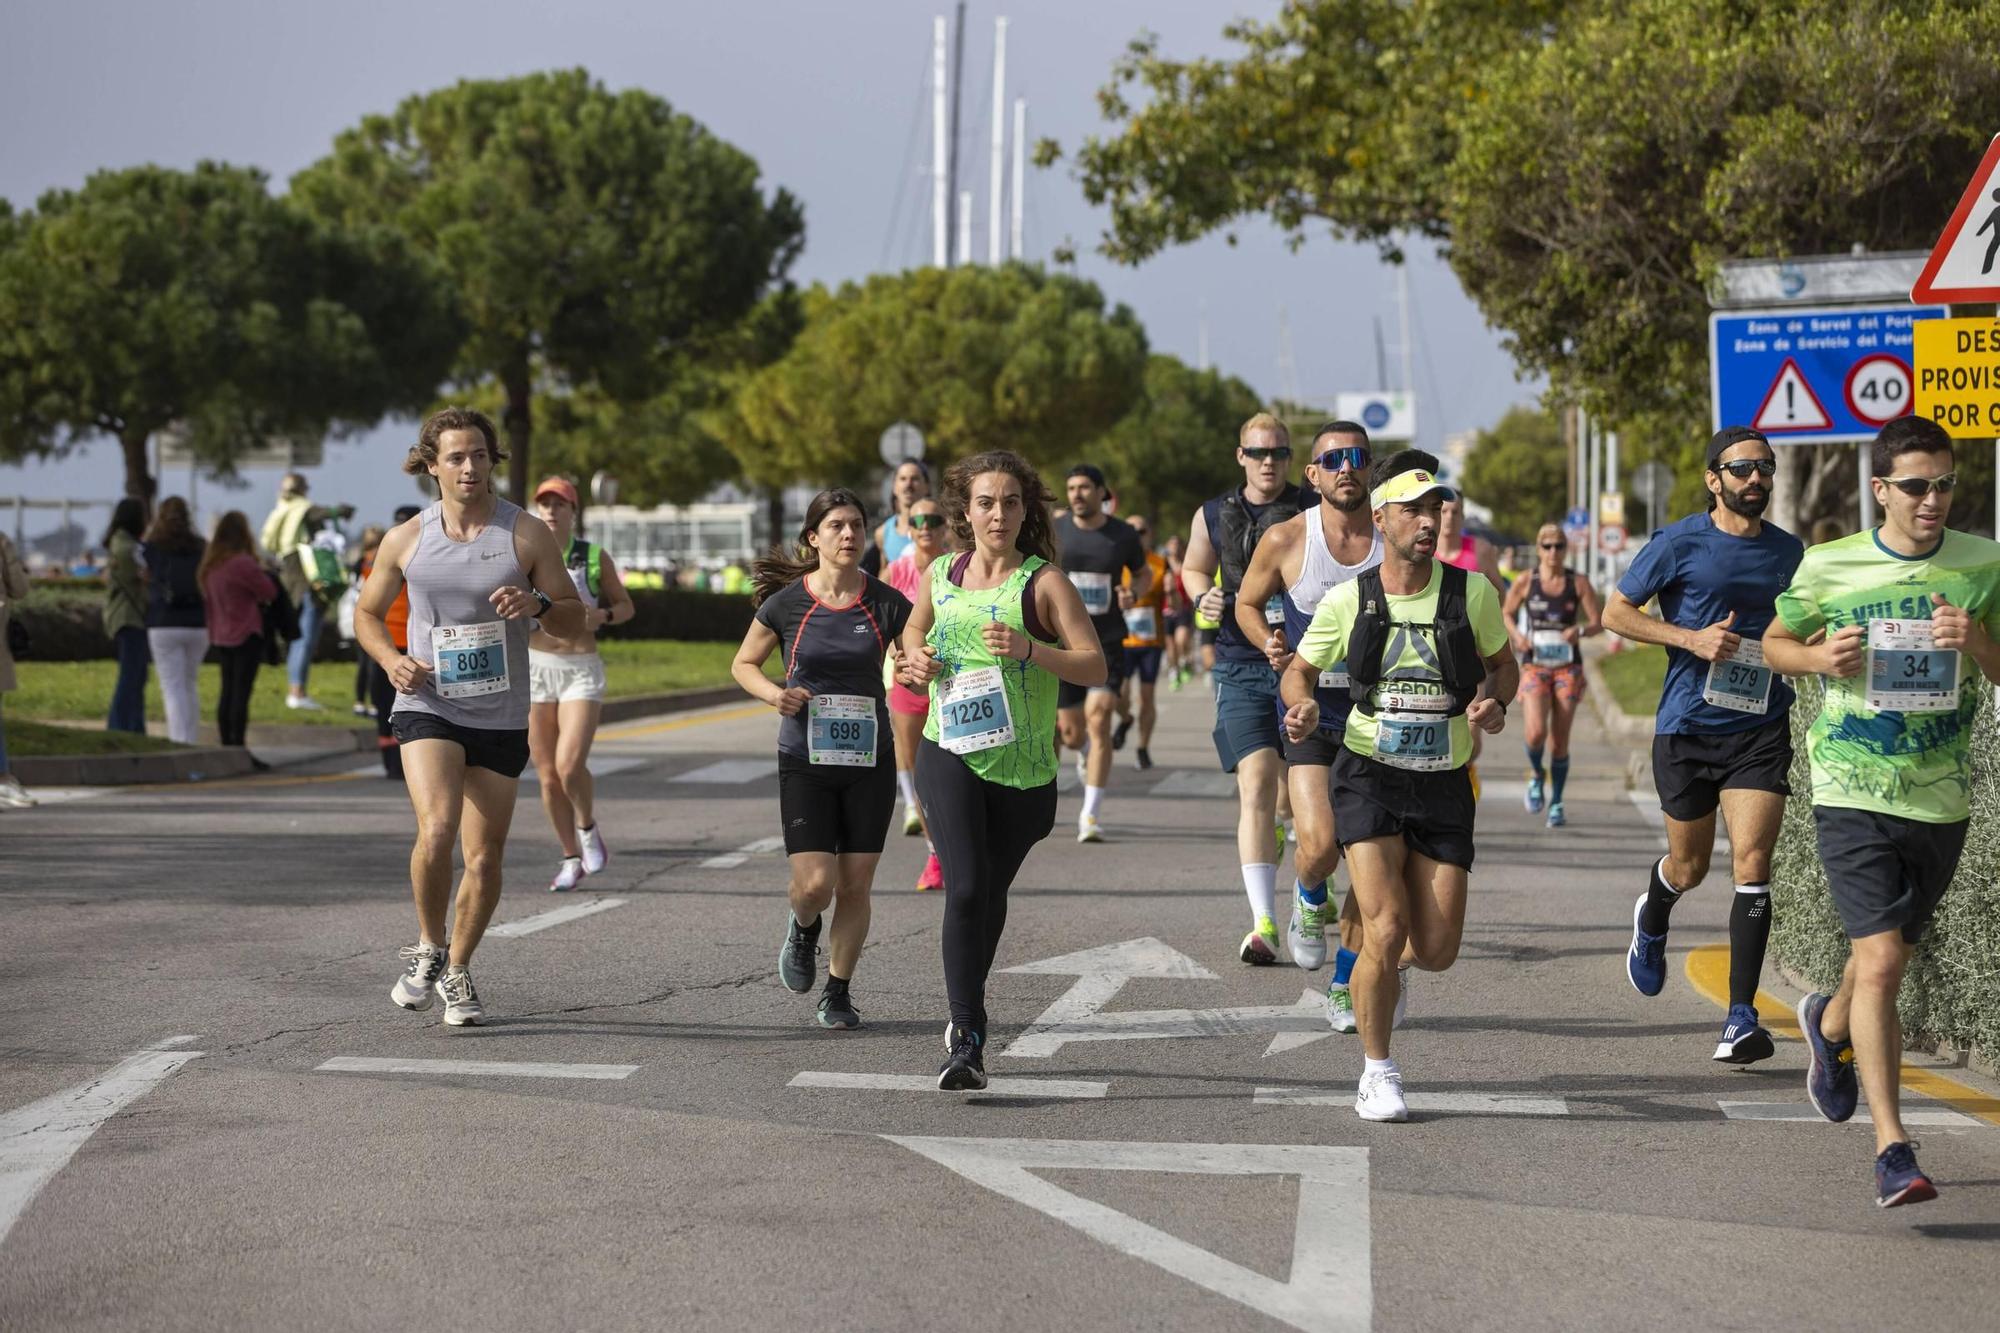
{"points": [[907, 708], [1550, 611]]}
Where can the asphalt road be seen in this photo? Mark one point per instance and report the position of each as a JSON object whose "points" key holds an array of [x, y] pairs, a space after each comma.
{"points": [[204, 1122]]}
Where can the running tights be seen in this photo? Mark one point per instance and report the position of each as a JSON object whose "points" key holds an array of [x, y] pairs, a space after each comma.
{"points": [[983, 832]]}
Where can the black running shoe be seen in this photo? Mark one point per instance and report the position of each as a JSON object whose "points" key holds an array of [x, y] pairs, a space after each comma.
{"points": [[1145, 760], [964, 1068], [1119, 733], [838, 1012], [798, 960]]}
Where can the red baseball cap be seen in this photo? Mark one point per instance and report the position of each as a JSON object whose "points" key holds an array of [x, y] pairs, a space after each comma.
{"points": [[557, 486]]}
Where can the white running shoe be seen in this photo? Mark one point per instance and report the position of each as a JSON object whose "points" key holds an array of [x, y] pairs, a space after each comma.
{"points": [[1088, 829], [1307, 934], [423, 964], [12, 793], [1380, 1097], [461, 1001], [595, 854], [568, 875], [1402, 998], [304, 703], [913, 823], [1340, 1007]]}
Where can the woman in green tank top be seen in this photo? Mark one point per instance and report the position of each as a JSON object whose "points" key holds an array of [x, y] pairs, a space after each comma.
{"points": [[994, 627]]}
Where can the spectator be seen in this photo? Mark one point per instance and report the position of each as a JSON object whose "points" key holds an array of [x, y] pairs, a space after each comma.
{"points": [[295, 522], [125, 616], [236, 589], [381, 690], [176, 619], [13, 587], [364, 665]]}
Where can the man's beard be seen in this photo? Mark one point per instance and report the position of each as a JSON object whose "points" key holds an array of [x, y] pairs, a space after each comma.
{"points": [[1349, 505], [1748, 508]]}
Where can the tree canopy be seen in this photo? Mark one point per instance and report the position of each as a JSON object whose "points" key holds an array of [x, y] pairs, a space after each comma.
{"points": [[1177, 446], [151, 296], [593, 239], [1518, 469]]}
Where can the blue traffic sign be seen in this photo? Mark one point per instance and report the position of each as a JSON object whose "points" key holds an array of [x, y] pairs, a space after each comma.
{"points": [[1578, 517], [1813, 376]]}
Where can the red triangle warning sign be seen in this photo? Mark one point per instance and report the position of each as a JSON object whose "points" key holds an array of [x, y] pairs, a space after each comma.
{"points": [[1965, 263], [1791, 405]]}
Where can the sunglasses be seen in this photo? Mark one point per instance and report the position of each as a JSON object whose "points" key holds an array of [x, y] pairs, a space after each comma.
{"points": [[918, 522], [1918, 487], [1280, 452], [1350, 455], [1554, 546], [1743, 467]]}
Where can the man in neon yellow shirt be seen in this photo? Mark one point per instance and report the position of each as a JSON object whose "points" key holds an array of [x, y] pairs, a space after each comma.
{"points": [[1896, 620], [1427, 659]]}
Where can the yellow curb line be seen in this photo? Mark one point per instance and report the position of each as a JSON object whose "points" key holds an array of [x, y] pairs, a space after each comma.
{"points": [[1708, 970], [630, 731]]}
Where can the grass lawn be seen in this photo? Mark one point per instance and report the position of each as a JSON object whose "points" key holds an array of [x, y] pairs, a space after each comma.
{"points": [[1636, 677], [72, 691], [31, 740]]}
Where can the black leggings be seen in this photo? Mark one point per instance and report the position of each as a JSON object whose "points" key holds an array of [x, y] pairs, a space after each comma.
{"points": [[239, 674], [983, 831], [382, 694]]}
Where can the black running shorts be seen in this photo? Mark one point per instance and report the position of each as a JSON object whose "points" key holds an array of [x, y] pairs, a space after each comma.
{"points": [[1692, 770], [1885, 872], [1431, 811], [834, 808], [503, 752]]}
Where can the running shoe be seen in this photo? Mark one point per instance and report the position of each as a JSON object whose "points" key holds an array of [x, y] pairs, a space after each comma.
{"points": [[1830, 1078], [12, 793], [1898, 1178], [595, 854], [1145, 759], [423, 964], [1306, 936], [838, 1012], [798, 961], [1120, 732], [1380, 1097], [1339, 1007], [1260, 946], [1743, 1041], [1533, 800], [1646, 957], [1088, 829], [933, 875], [913, 823], [1556, 816], [362, 710], [568, 875], [964, 1067], [461, 1002], [304, 703]]}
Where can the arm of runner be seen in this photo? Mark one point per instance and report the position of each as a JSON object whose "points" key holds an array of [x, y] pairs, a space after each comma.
{"points": [[535, 547], [1592, 620], [1057, 601], [1837, 654], [1955, 627], [748, 668], [617, 605], [1489, 563], [1510, 609], [378, 594], [919, 664], [1712, 644], [1138, 575], [1198, 571], [1296, 682], [1503, 677], [1261, 582]]}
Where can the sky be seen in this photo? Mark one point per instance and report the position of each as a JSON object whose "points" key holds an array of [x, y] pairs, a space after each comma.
{"points": [[829, 98]]}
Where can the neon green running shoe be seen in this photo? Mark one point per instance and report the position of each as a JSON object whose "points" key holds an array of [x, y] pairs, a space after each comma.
{"points": [[1307, 936], [1260, 946]]}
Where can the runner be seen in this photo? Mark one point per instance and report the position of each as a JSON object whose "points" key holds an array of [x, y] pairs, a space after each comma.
{"points": [[1556, 611], [1301, 560], [1422, 672], [381, 690], [478, 569], [907, 708], [1225, 536], [1723, 735], [1891, 763], [566, 690], [1178, 617], [980, 638], [1145, 640], [893, 535], [1096, 551], [836, 779]]}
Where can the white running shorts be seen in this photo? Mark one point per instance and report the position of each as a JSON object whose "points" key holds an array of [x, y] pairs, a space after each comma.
{"points": [[557, 678]]}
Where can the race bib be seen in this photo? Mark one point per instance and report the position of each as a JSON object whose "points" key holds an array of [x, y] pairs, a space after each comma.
{"points": [[1095, 589], [1417, 741], [1141, 622], [1334, 677], [1549, 647], [1741, 683], [469, 660], [1274, 610], [1906, 674], [972, 711], [840, 729]]}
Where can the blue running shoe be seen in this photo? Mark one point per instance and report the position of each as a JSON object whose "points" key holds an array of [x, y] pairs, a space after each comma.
{"points": [[1743, 1041], [1556, 816], [1533, 800], [1898, 1178], [1830, 1080], [1646, 959]]}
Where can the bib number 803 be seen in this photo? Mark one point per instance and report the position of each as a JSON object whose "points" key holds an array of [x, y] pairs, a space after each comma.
{"points": [[470, 663]]}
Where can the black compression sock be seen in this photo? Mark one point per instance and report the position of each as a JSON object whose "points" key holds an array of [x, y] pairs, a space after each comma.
{"points": [[835, 985], [1660, 902], [810, 929], [1749, 932]]}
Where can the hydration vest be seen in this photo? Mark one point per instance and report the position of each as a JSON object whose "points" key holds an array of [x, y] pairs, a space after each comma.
{"points": [[1459, 663], [1241, 532], [587, 557]]}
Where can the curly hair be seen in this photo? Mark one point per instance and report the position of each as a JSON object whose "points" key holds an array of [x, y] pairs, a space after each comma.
{"points": [[1037, 536], [423, 455]]}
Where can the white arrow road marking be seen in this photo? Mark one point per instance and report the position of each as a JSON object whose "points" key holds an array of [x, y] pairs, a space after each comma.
{"points": [[1301, 1023], [729, 860], [363, 1064], [1072, 1089], [1937, 1119], [1445, 1103], [38, 1139], [1329, 1289], [557, 916]]}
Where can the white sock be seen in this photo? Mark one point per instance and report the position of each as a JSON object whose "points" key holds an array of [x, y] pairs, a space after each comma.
{"points": [[1260, 881], [906, 783], [1092, 798], [930, 846], [1370, 1066]]}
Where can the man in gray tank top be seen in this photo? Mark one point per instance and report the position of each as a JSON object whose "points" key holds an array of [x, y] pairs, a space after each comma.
{"points": [[479, 571]]}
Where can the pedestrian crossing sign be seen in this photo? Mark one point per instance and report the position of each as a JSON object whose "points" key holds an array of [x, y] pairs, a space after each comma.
{"points": [[1965, 263]]}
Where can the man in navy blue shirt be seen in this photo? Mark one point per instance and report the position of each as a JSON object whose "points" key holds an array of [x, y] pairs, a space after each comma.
{"points": [[1723, 734]]}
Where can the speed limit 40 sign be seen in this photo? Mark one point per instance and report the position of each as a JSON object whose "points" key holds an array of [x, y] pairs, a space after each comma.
{"points": [[1878, 389]]}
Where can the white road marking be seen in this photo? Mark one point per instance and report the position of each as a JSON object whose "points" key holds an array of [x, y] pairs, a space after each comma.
{"points": [[1195, 784], [362, 1064], [1330, 1290], [575, 911], [1073, 1089], [1647, 803], [729, 860], [1443, 1103], [1101, 972], [64, 795], [729, 772], [1801, 1111], [599, 768], [38, 1139], [1304, 1022]]}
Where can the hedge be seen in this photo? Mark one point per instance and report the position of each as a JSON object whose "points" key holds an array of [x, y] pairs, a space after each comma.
{"points": [[64, 620], [1951, 994]]}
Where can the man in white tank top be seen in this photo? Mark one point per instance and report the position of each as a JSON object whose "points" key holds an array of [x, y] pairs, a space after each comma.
{"points": [[479, 570], [1305, 558]]}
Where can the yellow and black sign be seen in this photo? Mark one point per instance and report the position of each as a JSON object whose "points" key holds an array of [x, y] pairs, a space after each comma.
{"points": [[1958, 375]]}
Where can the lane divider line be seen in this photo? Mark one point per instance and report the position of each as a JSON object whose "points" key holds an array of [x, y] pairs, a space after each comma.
{"points": [[730, 860], [1068, 1089], [362, 1064], [557, 916]]}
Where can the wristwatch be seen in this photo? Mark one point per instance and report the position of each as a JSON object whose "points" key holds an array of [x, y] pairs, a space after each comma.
{"points": [[543, 598]]}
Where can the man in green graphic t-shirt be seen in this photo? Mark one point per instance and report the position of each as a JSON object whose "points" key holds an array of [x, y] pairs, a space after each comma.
{"points": [[1900, 621]]}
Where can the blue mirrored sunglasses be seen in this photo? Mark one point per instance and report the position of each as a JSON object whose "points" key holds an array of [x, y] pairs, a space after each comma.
{"points": [[1350, 455]]}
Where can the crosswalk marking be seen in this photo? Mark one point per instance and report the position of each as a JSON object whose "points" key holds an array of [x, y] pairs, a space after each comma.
{"points": [[362, 1064], [1441, 1103], [729, 772], [729, 860], [575, 911], [1069, 1089], [1801, 1111]]}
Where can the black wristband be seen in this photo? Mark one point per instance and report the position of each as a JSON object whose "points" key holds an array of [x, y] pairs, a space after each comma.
{"points": [[542, 597]]}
